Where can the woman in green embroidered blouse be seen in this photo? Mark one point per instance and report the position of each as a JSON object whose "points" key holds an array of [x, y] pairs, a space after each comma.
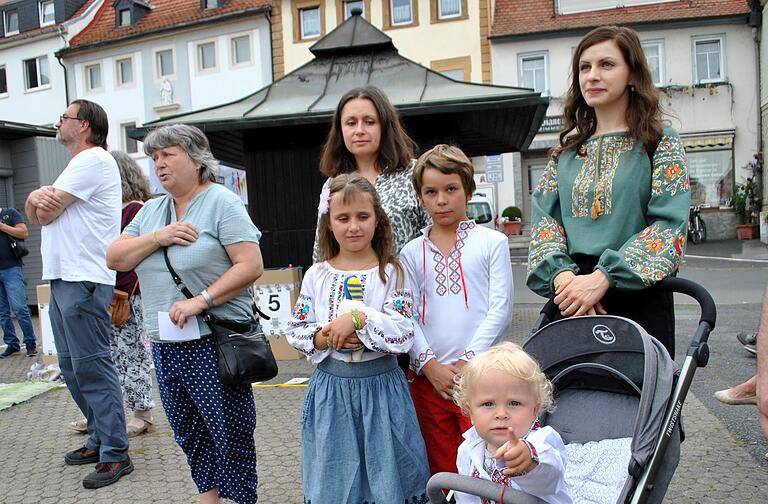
{"points": [[610, 212]]}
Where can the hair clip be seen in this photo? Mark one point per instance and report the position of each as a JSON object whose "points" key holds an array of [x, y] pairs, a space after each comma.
{"points": [[325, 200]]}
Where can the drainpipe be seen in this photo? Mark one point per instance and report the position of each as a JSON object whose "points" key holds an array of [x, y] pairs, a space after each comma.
{"points": [[58, 58]]}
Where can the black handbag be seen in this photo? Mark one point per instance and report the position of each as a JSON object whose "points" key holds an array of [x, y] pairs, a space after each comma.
{"points": [[243, 352], [18, 249]]}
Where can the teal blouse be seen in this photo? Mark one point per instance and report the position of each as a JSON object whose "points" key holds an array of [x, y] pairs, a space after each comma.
{"points": [[612, 202]]}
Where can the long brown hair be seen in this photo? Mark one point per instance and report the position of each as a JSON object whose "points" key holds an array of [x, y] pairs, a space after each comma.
{"points": [[643, 114], [351, 186], [396, 148]]}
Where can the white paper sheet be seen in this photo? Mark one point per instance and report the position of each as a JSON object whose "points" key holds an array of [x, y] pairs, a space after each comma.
{"points": [[171, 332]]}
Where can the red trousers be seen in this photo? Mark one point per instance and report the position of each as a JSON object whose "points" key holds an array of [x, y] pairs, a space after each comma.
{"points": [[441, 422]]}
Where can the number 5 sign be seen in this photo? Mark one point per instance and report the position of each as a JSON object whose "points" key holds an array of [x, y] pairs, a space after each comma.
{"points": [[275, 301]]}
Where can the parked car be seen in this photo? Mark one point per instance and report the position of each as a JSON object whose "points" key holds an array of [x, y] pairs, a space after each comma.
{"points": [[479, 209]]}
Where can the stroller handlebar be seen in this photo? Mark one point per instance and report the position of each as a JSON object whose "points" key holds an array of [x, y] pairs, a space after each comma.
{"points": [[669, 284], [475, 486]]}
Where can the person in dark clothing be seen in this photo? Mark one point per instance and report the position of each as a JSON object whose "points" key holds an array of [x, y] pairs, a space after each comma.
{"points": [[12, 295]]}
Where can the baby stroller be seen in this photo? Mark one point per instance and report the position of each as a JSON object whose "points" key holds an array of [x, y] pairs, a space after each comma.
{"points": [[612, 381]]}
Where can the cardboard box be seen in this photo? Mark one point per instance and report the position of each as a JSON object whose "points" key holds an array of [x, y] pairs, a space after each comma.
{"points": [[276, 292], [47, 346]]}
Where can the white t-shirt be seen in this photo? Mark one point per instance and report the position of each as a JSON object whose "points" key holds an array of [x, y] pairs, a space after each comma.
{"points": [[74, 246]]}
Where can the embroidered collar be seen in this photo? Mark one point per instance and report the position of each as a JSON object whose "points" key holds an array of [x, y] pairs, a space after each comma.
{"points": [[463, 226]]}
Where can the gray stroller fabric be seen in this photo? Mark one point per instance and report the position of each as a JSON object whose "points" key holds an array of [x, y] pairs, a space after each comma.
{"points": [[611, 380]]}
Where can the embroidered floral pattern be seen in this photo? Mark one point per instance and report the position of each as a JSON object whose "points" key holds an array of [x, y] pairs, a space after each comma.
{"points": [[451, 264], [301, 308], [670, 168], [548, 180], [547, 238], [654, 253], [595, 179], [402, 303]]}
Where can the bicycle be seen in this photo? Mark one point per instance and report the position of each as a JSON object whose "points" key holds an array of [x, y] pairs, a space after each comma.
{"points": [[697, 230]]}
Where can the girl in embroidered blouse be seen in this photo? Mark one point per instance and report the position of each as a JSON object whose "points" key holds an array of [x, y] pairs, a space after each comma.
{"points": [[610, 212], [360, 439], [503, 390]]}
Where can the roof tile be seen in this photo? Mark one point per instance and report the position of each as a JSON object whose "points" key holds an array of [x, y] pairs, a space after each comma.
{"points": [[166, 14], [516, 17]]}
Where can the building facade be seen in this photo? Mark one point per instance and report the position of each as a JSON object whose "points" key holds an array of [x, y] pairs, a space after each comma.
{"points": [[32, 83], [144, 61], [703, 56], [449, 36]]}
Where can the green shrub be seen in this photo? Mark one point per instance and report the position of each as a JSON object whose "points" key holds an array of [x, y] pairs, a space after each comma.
{"points": [[512, 213]]}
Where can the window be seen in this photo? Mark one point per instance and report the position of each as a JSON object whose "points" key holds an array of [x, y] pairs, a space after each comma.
{"points": [[402, 11], [571, 6], [241, 50], [353, 4], [124, 17], [210, 4], [206, 56], [708, 61], [3, 81], [47, 13], [130, 145], [711, 175], [310, 22], [164, 61], [11, 22], [455, 68], [449, 8], [533, 72], [93, 77], [36, 73], [124, 71], [654, 53]]}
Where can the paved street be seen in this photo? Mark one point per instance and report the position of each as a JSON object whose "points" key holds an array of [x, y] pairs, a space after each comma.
{"points": [[722, 458]]}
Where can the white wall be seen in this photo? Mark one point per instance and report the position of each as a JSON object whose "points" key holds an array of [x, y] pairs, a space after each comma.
{"points": [[40, 105]]}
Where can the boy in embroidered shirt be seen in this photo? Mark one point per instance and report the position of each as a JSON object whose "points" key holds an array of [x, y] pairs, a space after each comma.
{"points": [[503, 390], [462, 280]]}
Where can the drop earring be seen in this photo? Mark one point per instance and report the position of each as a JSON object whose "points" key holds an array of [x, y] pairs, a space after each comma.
{"points": [[631, 88]]}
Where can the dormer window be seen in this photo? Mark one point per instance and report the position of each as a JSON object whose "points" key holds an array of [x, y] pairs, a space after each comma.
{"points": [[124, 17], [130, 12], [11, 22], [210, 4], [47, 13]]}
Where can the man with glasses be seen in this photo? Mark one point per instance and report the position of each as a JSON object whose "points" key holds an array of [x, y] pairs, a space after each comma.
{"points": [[80, 215]]}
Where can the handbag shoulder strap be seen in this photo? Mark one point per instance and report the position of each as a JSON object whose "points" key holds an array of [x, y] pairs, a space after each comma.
{"points": [[176, 278], [180, 283]]}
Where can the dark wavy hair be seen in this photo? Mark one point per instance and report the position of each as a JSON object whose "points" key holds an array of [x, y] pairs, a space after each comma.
{"points": [[396, 148], [350, 186], [643, 114]]}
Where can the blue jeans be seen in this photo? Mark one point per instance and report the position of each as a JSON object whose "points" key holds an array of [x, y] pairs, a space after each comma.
{"points": [[13, 297]]}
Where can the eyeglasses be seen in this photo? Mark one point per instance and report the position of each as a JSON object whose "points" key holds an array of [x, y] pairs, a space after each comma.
{"points": [[65, 116]]}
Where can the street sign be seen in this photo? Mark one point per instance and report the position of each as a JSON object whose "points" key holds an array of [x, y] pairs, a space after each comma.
{"points": [[494, 168]]}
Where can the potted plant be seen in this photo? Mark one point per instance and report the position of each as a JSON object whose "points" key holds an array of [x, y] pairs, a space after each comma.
{"points": [[744, 204], [511, 219]]}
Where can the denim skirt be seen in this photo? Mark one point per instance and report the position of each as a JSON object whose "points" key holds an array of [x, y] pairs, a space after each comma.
{"points": [[360, 439]]}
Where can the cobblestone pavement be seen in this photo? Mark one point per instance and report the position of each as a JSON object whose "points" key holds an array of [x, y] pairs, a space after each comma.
{"points": [[716, 466]]}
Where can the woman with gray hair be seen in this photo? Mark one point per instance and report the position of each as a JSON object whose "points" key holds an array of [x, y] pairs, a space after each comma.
{"points": [[214, 247], [129, 342]]}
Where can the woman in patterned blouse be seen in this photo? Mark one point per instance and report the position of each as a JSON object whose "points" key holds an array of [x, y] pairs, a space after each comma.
{"points": [[610, 212], [368, 138]]}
